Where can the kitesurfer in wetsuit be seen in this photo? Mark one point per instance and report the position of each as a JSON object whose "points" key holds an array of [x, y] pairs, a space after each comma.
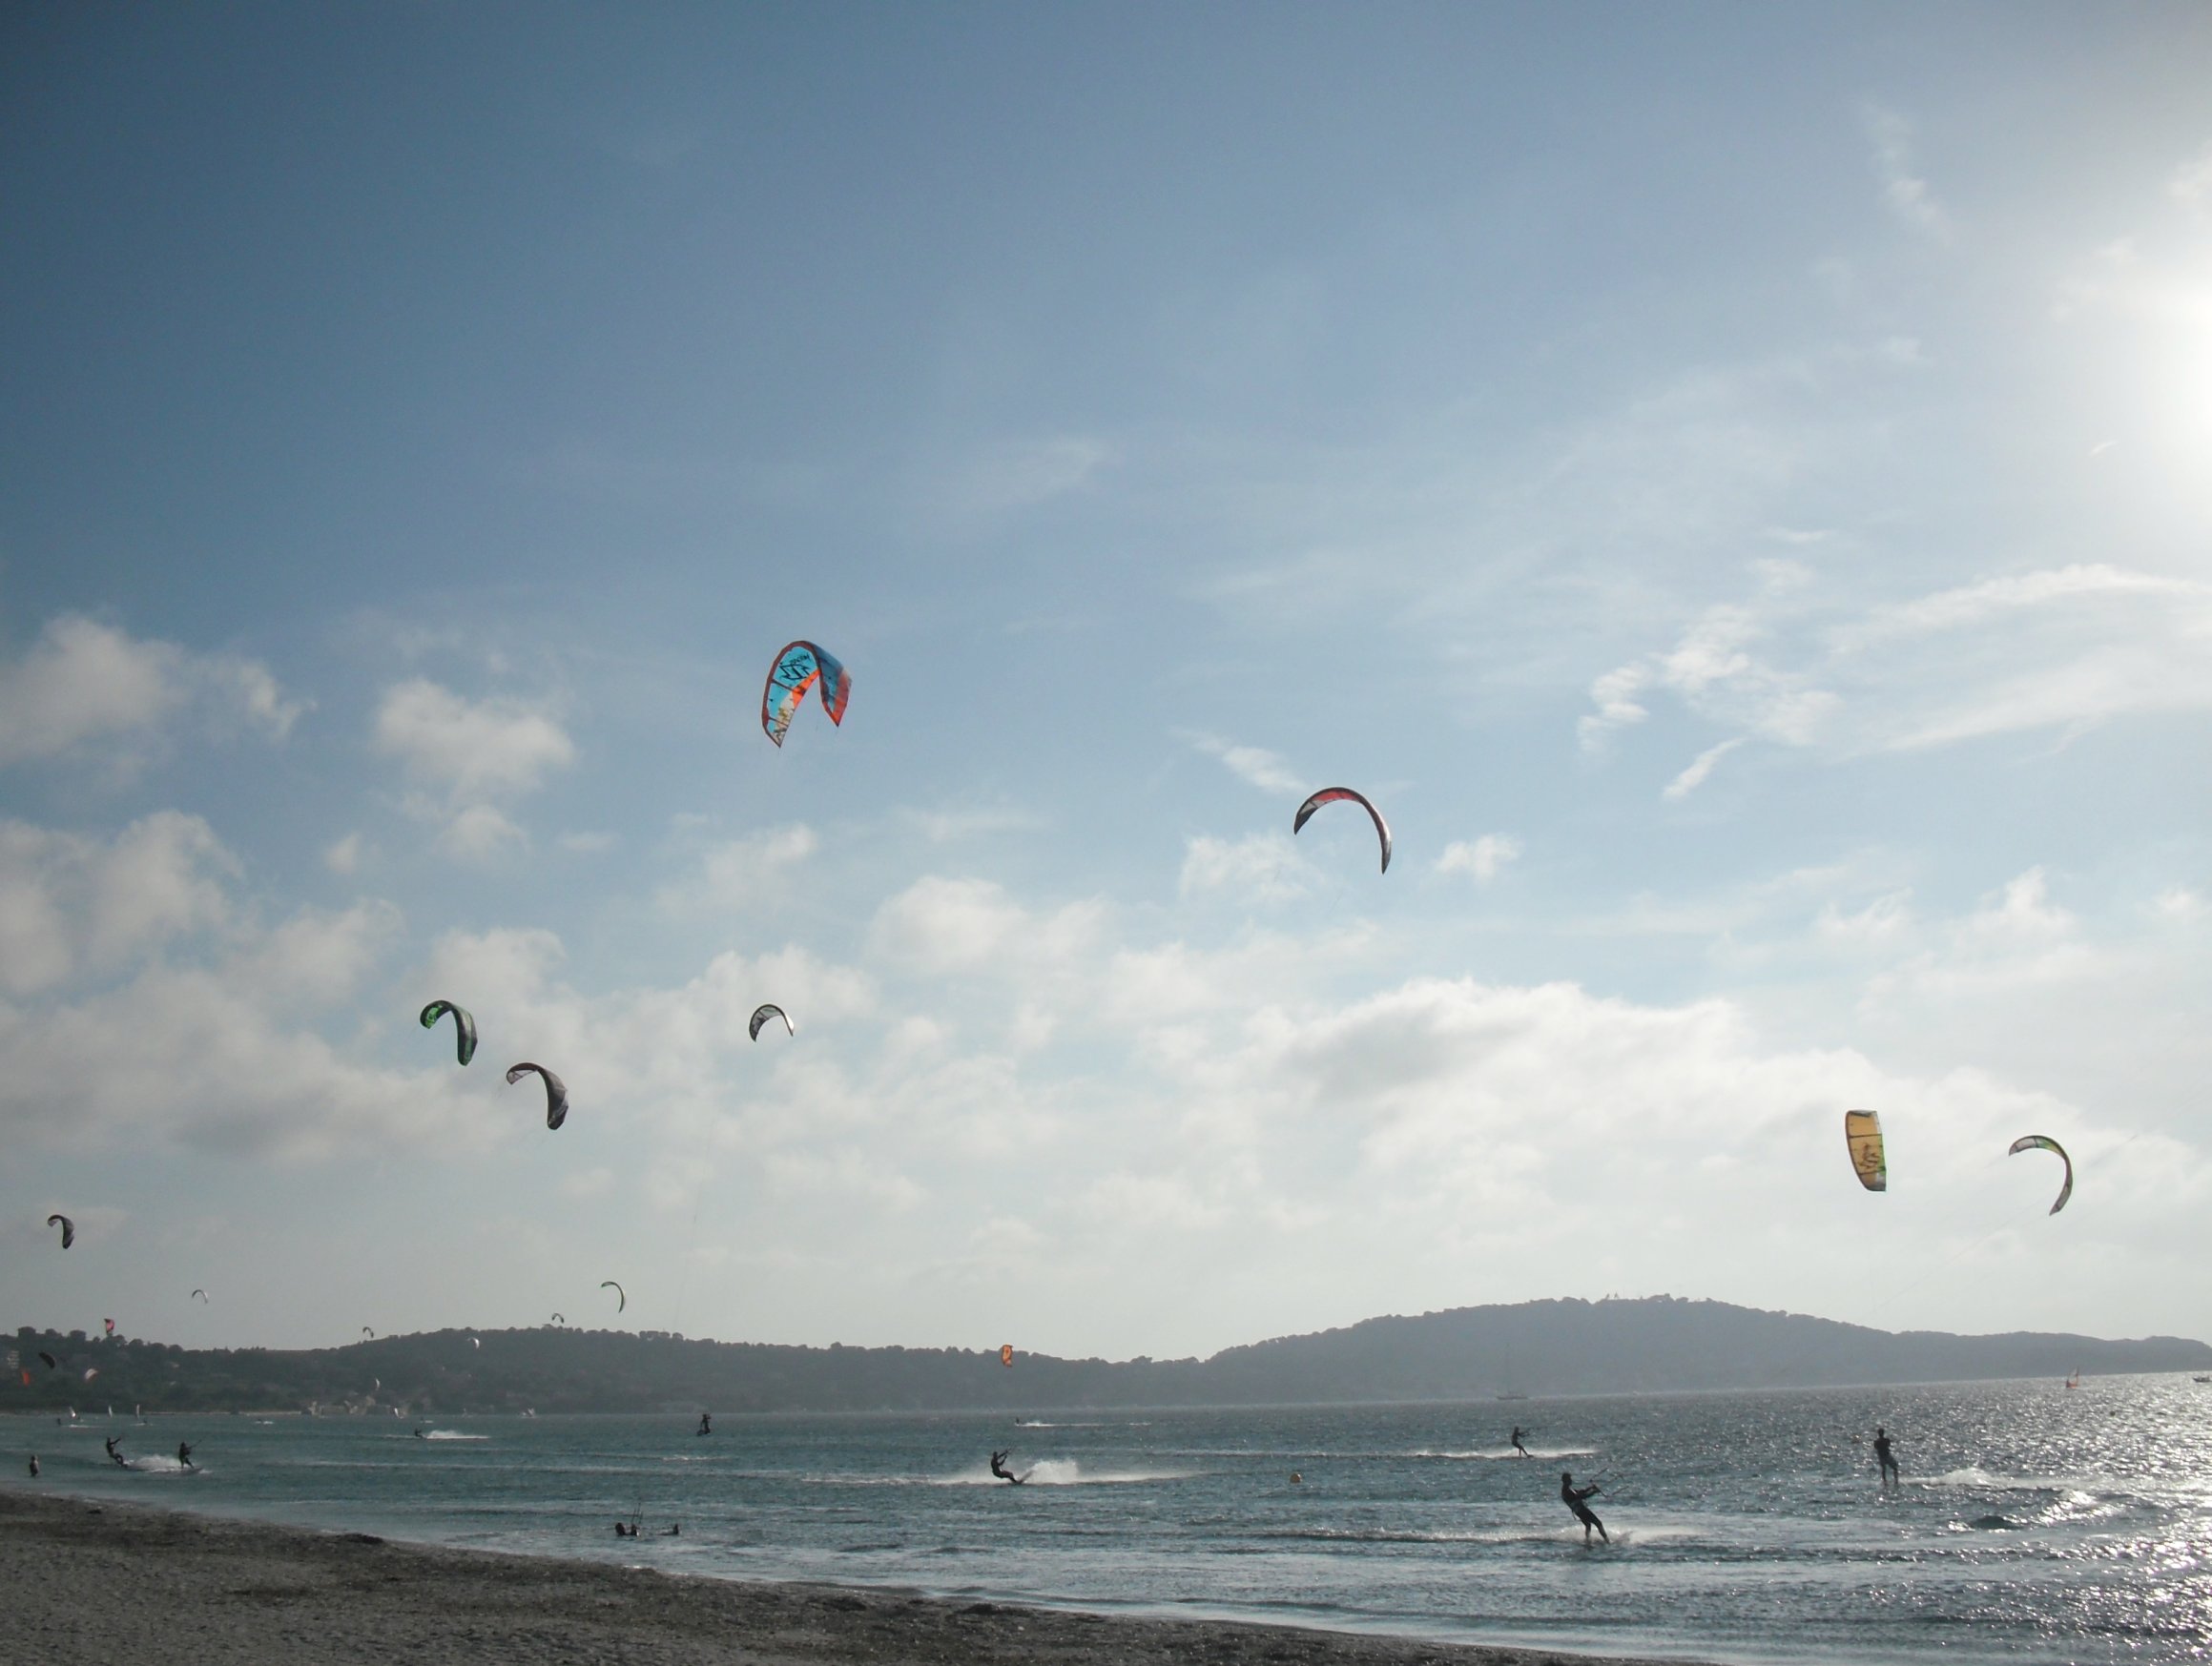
{"points": [[624, 1531], [1886, 1458], [706, 1424], [116, 1452], [1577, 1499], [34, 1466], [1519, 1449], [184, 1454], [1000, 1470]]}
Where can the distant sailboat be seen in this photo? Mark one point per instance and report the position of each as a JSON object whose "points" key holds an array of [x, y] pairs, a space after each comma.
{"points": [[2074, 1379]]}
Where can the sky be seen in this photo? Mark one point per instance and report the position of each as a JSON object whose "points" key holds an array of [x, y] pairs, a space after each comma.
{"points": [[1732, 485]]}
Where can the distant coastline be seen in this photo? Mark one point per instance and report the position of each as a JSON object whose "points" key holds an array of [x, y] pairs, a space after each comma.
{"points": [[1554, 1348]]}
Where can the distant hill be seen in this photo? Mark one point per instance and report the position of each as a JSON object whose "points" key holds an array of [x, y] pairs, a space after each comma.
{"points": [[1468, 1353]]}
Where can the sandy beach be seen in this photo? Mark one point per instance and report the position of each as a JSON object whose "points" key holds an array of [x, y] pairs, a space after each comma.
{"points": [[90, 1584]]}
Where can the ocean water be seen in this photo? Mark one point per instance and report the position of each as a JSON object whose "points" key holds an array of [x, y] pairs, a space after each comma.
{"points": [[2035, 1523]]}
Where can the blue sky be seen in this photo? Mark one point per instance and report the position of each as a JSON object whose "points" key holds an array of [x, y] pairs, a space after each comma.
{"points": [[1732, 486]]}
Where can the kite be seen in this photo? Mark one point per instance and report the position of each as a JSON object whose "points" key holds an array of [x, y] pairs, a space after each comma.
{"points": [[556, 1091], [560, 1318], [202, 1295], [621, 1300], [1863, 1135], [464, 1026], [1331, 796], [48, 1361], [2043, 1143], [796, 668], [368, 1333], [110, 1326], [68, 1229], [1006, 1353], [761, 1017], [476, 1341]]}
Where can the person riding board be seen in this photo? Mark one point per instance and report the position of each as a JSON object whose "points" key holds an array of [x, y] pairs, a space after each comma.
{"points": [[1519, 1450], [706, 1424], [1577, 1499], [184, 1455], [1885, 1457], [1000, 1470]]}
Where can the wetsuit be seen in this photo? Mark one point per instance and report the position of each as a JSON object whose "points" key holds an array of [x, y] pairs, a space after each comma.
{"points": [[34, 1466], [184, 1454], [1885, 1457], [706, 1424], [1000, 1470], [1576, 1498], [1517, 1432]]}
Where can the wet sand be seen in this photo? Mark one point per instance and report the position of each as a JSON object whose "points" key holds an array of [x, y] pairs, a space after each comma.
{"points": [[90, 1584]]}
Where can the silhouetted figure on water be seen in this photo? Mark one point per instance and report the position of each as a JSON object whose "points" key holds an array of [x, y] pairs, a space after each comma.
{"points": [[1000, 1470], [1884, 1456], [1577, 1499]]}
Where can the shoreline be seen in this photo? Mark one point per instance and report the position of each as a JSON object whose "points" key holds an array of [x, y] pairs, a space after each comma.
{"points": [[92, 1581]]}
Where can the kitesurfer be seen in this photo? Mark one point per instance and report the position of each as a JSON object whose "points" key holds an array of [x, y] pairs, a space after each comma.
{"points": [[116, 1452], [674, 1530], [624, 1531], [1517, 1432], [1884, 1456], [706, 1423], [1000, 1470], [184, 1454], [1577, 1499], [34, 1466]]}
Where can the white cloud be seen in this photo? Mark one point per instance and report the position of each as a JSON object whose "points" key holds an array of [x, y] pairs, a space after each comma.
{"points": [[1699, 769], [1904, 189], [939, 925], [2191, 185], [1482, 859], [477, 832], [735, 872], [1260, 868], [83, 680], [71, 907], [2066, 648], [1713, 670], [1254, 766], [2178, 903], [343, 856], [476, 750], [480, 754], [1988, 599]]}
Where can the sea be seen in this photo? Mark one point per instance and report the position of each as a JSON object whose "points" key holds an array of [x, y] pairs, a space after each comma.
{"points": [[2035, 1522]]}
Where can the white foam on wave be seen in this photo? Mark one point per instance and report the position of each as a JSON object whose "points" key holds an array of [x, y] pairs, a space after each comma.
{"points": [[162, 1464], [1494, 1454], [1059, 1472], [451, 1434]]}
